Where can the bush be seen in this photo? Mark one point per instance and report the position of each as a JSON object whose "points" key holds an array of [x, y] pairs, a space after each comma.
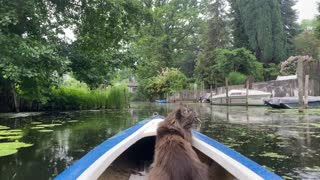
{"points": [[168, 81], [236, 78], [289, 66]]}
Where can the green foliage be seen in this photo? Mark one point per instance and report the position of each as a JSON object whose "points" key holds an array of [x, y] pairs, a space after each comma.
{"points": [[236, 78], [167, 82], [271, 71], [34, 54], [103, 39], [307, 44], [227, 61], [30, 60], [308, 23], [170, 37]]}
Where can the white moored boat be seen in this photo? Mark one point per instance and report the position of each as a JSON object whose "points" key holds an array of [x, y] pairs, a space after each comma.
{"points": [[238, 97], [130, 152]]}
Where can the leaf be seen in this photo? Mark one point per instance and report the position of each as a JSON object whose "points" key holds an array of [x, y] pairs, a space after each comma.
{"points": [[9, 148]]}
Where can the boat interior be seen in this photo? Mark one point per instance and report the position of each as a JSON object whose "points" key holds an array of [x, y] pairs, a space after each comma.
{"points": [[134, 163]]}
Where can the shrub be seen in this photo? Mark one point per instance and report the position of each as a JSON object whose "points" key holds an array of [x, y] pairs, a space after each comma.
{"points": [[289, 66], [236, 78]]}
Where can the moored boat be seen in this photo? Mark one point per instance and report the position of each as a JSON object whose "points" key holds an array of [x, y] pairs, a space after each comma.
{"points": [[161, 101], [128, 154], [291, 102], [238, 97]]}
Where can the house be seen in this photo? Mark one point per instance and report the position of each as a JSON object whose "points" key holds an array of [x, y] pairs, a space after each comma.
{"points": [[132, 86]]}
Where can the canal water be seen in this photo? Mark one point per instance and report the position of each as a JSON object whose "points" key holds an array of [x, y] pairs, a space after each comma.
{"points": [[283, 141]]}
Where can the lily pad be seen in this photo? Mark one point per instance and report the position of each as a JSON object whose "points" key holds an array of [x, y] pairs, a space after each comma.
{"points": [[48, 125], [7, 152], [287, 177], [9, 132], [35, 122], [9, 148], [37, 127], [10, 137], [45, 130], [269, 168], [4, 127], [73, 121], [274, 155]]}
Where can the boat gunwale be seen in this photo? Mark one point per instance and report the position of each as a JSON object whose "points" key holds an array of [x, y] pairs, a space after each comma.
{"points": [[245, 162], [76, 170]]}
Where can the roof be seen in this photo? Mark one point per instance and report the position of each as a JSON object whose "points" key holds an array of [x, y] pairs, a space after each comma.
{"points": [[280, 78]]}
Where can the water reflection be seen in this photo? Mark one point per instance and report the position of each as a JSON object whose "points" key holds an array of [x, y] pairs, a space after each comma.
{"points": [[283, 141]]}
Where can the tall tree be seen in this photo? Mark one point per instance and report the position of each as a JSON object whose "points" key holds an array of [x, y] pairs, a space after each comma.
{"points": [[264, 27], [317, 29], [216, 36], [289, 18], [239, 36]]}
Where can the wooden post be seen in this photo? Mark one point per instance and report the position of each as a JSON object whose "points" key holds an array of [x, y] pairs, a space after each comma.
{"points": [[306, 91], [210, 91], [247, 93], [215, 86], [227, 92], [300, 83]]}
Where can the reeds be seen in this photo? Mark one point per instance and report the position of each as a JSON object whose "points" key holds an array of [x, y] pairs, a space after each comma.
{"points": [[77, 98]]}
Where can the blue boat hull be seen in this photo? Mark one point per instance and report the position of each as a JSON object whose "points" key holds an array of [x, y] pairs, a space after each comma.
{"points": [[88, 167], [161, 101]]}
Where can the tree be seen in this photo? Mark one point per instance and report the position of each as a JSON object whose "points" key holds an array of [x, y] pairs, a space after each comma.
{"points": [[169, 38], [263, 25], [307, 44], [104, 32], [289, 18], [215, 36], [237, 60], [317, 29], [240, 38], [30, 60], [227, 61]]}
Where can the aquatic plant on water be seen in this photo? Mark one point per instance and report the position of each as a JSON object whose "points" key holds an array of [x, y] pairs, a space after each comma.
{"points": [[9, 148], [274, 155], [45, 130]]}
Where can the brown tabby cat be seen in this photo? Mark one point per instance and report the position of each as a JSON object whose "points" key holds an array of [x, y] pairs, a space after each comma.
{"points": [[174, 157]]}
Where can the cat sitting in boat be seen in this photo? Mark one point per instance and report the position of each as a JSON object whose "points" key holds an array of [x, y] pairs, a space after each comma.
{"points": [[174, 157]]}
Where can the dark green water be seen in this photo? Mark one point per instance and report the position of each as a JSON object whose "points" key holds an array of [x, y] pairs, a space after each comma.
{"points": [[286, 142]]}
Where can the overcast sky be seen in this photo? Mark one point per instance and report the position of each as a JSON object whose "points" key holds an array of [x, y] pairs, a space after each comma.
{"points": [[307, 9]]}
